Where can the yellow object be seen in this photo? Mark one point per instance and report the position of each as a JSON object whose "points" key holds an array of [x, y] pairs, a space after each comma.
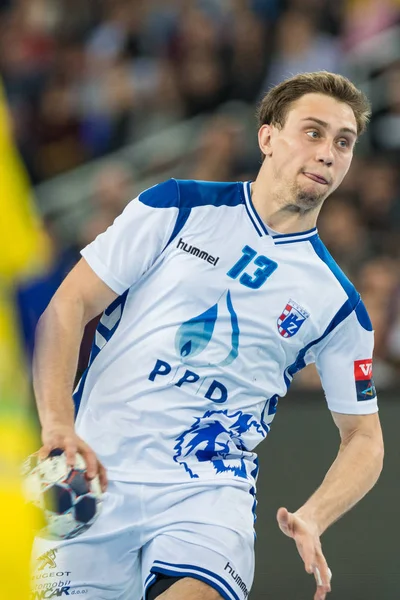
{"points": [[24, 250], [23, 244], [17, 522]]}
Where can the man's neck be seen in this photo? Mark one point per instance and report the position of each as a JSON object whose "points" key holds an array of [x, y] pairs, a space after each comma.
{"points": [[277, 214]]}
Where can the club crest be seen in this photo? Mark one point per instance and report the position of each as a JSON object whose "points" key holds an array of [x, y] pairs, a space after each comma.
{"points": [[291, 319]]}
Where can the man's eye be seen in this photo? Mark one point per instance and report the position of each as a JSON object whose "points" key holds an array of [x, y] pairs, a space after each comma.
{"points": [[343, 143], [313, 134]]}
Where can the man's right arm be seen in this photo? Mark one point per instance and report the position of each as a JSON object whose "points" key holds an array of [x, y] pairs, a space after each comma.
{"points": [[81, 297], [111, 264]]}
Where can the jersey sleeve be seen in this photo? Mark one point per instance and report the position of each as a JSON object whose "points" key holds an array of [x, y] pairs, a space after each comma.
{"points": [[131, 245], [344, 363]]}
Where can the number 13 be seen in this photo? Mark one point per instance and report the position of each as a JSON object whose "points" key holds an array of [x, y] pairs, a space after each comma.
{"points": [[259, 276]]}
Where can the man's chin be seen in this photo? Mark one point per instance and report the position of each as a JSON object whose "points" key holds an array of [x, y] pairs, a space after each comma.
{"points": [[306, 200]]}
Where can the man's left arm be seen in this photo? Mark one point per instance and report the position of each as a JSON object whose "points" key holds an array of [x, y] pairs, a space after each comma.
{"points": [[353, 473], [344, 361]]}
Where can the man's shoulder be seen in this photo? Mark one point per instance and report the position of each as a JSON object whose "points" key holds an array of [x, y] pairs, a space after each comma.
{"points": [[191, 193], [335, 271], [196, 193]]}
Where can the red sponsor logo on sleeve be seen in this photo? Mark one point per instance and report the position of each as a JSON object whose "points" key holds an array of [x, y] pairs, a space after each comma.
{"points": [[363, 369]]}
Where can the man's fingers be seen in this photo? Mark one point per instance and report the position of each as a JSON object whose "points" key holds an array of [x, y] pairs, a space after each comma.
{"points": [[318, 577], [68, 447], [307, 553], [71, 445], [91, 462], [322, 571], [70, 450], [323, 586], [315, 563], [309, 548], [102, 477], [44, 452], [283, 515], [283, 518], [323, 582], [94, 467]]}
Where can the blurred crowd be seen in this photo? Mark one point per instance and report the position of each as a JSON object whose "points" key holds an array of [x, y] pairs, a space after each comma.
{"points": [[84, 79]]}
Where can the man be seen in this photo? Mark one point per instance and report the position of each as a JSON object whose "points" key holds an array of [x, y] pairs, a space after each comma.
{"points": [[214, 296]]}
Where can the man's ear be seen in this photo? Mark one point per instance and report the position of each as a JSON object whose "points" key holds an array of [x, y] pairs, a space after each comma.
{"points": [[264, 139]]}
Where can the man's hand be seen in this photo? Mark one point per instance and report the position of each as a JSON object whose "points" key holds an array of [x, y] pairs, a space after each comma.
{"points": [[64, 437], [306, 536]]}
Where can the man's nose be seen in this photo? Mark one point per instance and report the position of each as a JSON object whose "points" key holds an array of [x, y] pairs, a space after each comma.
{"points": [[325, 154]]}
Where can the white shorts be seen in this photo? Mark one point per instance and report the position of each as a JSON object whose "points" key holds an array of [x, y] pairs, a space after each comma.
{"points": [[184, 530]]}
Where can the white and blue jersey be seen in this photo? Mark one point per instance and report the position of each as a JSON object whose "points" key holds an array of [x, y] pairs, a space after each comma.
{"points": [[215, 315]]}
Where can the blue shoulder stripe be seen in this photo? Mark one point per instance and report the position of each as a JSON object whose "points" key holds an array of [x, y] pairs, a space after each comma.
{"points": [[162, 195], [345, 310], [209, 193], [181, 193], [188, 194], [363, 316], [352, 303], [324, 255]]}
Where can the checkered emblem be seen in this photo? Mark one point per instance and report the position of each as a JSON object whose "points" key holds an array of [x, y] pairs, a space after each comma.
{"points": [[291, 319]]}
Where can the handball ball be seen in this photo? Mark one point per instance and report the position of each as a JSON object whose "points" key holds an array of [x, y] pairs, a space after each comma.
{"points": [[69, 501]]}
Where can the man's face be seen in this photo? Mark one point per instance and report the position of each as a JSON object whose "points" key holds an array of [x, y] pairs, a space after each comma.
{"points": [[310, 155]]}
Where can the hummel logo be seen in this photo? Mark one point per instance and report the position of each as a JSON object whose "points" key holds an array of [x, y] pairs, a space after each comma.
{"points": [[236, 577], [197, 252]]}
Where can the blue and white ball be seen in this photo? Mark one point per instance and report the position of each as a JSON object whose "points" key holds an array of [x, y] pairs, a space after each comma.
{"points": [[69, 501]]}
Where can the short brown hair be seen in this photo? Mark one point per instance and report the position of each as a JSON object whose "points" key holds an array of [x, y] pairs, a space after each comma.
{"points": [[275, 105]]}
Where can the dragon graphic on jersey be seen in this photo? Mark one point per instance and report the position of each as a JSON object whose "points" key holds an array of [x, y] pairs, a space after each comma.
{"points": [[194, 337], [216, 438]]}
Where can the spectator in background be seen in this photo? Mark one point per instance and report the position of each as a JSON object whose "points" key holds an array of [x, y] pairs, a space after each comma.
{"points": [[300, 47], [379, 205], [328, 14], [57, 129], [107, 105], [365, 18], [26, 57], [203, 83], [33, 295], [163, 105], [351, 183], [378, 282], [385, 125], [111, 190], [218, 150], [199, 60], [393, 336], [159, 25], [345, 235], [120, 24], [249, 43]]}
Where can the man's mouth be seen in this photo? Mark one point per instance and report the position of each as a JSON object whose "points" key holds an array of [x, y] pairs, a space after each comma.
{"points": [[317, 178]]}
